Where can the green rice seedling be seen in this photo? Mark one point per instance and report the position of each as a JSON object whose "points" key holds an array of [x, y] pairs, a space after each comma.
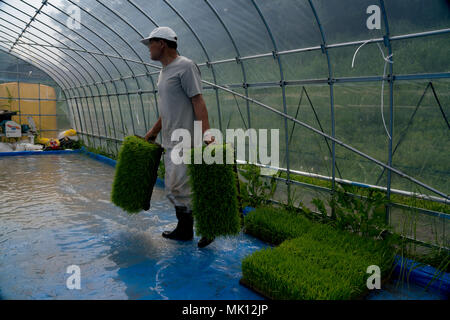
{"points": [[436, 255], [275, 225], [256, 191], [214, 195], [314, 261], [308, 268], [294, 202], [135, 174]]}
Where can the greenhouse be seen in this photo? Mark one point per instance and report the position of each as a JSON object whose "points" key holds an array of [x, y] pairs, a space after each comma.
{"points": [[341, 109]]}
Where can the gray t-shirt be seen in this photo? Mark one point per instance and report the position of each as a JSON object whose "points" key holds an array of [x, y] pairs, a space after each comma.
{"points": [[178, 82]]}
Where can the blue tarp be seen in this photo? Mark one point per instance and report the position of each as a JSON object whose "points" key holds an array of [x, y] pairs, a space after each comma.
{"points": [[414, 277]]}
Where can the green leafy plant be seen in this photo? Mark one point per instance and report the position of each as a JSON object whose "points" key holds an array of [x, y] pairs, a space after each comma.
{"points": [[135, 174], [256, 190], [363, 214], [395, 198], [161, 170], [293, 202], [214, 196]]}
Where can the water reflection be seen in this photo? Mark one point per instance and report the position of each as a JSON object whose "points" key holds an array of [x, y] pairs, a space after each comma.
{"points": [[55, 211]]}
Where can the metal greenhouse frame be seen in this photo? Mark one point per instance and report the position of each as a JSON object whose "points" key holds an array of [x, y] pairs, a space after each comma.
{"points": [[106, 83]]}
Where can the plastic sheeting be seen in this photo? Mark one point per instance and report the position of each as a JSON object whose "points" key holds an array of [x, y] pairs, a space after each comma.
{"points": [[294, 56], [67, 220]]}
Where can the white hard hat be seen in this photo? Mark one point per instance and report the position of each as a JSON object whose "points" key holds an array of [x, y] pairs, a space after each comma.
{"points": [[162, 33]]}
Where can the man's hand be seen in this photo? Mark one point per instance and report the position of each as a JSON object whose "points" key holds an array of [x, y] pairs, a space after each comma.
{"points": [[153, 132], [210, 140], [200, 111], [150, 136]]}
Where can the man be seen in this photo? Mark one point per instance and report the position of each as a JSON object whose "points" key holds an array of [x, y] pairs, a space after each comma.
{"points": [[180, 104]]}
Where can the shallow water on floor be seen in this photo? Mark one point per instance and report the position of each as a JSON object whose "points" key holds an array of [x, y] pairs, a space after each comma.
{"points": [[55, 211]]}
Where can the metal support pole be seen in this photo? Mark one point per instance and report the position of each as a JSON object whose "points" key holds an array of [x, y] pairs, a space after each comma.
{"points": [[283, 92], [352, 149], [18, 96], [333, 124], [39, 107], [391, 109], [238, 56]]}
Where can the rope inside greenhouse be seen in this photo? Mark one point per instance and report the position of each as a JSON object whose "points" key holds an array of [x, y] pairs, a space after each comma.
{"points": [[387, 60]]}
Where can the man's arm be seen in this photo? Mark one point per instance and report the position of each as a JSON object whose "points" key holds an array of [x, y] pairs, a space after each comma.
{"points": [[201, 114], [153, 132]]}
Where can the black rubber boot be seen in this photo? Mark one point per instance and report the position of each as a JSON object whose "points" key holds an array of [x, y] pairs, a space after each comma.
{"points": [[184, 229], [203, 242]]}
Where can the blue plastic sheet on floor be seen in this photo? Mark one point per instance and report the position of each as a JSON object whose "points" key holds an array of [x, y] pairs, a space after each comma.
{"points": [[63, 216], [58, 214], [402, 290], [422, 275], [99, 157]]}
